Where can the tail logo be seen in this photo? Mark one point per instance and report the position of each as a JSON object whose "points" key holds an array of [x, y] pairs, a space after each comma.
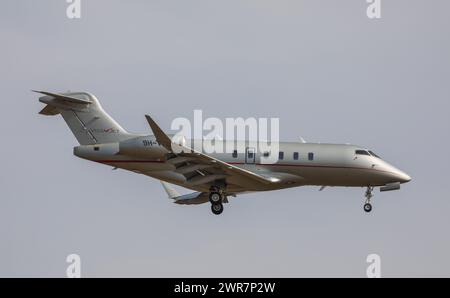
{"points": [[104, 130]]}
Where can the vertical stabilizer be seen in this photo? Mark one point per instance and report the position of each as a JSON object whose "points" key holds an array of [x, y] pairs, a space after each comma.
{"points": [[85, 117]]}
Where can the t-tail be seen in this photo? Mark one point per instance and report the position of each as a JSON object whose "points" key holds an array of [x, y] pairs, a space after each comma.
{"points": [[85, 117]]}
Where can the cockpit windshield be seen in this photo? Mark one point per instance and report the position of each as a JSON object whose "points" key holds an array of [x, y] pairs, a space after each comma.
{"points": [[361, 152], [373, 154], [366, 152]]}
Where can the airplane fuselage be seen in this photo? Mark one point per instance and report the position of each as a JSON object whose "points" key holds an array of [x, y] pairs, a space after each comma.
{"points": [[297, 164]]}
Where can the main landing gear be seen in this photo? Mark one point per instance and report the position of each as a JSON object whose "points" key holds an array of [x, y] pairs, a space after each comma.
{"points": [[216, 197], [368, 195], [217, 208]]}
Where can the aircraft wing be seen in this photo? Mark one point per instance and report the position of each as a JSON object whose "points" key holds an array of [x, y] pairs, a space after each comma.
{"points": [[194, 198], [205, 168], [226, 167]]}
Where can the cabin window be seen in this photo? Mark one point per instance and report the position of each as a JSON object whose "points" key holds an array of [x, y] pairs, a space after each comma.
{"points": [[362, 152], [96, 148], [310, 156], [235, 154], [266, 154], [281, 155], [295, 155], [250, 154]]}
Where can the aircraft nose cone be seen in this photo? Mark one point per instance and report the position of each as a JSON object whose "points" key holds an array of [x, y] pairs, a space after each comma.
{"points": [[403, 177]]}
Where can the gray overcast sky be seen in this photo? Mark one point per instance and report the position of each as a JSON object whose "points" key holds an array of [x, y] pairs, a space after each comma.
{"points": [[328, 72]]}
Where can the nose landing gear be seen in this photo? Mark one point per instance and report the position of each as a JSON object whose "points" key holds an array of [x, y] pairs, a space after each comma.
{"points": [[368, 195]]}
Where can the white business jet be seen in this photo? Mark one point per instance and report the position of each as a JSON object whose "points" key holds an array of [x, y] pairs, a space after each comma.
{"points": [[217, 177]]}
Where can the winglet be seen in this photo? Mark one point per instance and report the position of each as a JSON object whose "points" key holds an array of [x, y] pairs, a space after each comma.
{"points": [[171, 192], [160, 136]]}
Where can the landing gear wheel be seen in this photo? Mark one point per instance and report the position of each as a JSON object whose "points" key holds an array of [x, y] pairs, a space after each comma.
{"points": [[368, 195], [217, 208], [367, 207], [215, 198]]}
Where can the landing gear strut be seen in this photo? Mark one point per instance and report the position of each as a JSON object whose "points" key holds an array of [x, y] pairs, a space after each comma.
{"points": [[216, 197], [368, 195]]}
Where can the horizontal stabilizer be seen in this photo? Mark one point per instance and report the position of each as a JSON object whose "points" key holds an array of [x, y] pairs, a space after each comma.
{"points": [[64, 97]]}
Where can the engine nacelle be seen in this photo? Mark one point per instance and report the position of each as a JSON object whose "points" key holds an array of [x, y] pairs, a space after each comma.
{"points": [[142, 147], [96, 151]]}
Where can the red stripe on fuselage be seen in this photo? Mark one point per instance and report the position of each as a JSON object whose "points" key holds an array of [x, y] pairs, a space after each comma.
{"points": [[258, 164]]}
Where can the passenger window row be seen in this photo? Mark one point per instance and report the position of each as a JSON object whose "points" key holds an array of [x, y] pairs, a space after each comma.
{"points": [[295, 155]]}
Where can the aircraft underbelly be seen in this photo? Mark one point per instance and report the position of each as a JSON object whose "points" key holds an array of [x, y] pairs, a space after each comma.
{"points": [[333, 175], [288, 176]]}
